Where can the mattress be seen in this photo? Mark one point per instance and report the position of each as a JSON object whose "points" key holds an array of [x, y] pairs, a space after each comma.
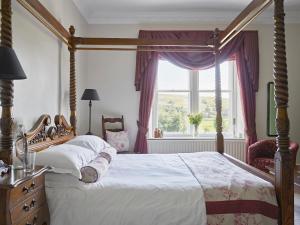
{"points": [[169, 189]]}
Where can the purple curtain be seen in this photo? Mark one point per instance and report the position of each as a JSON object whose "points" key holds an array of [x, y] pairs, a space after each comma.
{"points": [[147, 85], [247, 97], [244, 48]]}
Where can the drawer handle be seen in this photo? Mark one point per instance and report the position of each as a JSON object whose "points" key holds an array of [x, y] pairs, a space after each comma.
{"points": [[26, 207], [32, 186], [32, 204], [34, 222], [28, 189]]}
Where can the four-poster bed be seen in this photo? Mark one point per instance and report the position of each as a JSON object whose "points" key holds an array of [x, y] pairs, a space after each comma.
{"points": [[283, 179]]}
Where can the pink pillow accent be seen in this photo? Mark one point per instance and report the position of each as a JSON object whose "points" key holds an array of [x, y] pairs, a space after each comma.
{"points": [[118, 140]]}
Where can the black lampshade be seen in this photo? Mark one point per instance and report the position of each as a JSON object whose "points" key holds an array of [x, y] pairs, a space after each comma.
{"points": [[90, 94], [10, 67]]}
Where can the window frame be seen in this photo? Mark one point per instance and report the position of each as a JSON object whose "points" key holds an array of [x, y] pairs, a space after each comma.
{"points": [[194, 105], [154, 112]]}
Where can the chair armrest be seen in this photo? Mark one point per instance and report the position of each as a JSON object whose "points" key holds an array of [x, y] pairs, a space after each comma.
{"points": [[261, 149], [253, 152]]}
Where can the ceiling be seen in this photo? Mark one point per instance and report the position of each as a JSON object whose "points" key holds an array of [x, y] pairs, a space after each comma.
{"points": [[147, 11]]}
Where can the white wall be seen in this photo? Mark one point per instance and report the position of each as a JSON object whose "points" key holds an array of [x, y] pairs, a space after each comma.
{"points": [[45, 61], [112, 73]]}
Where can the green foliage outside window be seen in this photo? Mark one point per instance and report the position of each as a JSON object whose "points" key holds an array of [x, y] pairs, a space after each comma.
{"points": [[173, 113]]}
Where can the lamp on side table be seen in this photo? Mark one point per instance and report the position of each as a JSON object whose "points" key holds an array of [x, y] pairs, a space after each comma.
{"points": [[91, 95], [10, 70]]}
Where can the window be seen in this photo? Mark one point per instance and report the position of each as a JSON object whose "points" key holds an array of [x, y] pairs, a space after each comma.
{"points": [[180, 92]]}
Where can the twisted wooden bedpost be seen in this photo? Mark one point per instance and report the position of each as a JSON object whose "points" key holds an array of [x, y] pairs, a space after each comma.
{"points": [[218, 95], [72, 50], [284, 167], [7, 88]]}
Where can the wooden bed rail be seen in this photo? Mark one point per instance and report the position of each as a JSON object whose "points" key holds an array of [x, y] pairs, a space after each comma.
{"points": [[255, 8], [152, 49], [138, 42], [251, 169], [46, 18]]}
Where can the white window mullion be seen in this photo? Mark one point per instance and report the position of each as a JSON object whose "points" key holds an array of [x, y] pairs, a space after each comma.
{"points": [[194, 92], [233, 98], [154, 113], [239, 126]]}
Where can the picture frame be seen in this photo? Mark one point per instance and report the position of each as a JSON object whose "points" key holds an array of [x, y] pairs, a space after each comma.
{"points": [[271, 112]]}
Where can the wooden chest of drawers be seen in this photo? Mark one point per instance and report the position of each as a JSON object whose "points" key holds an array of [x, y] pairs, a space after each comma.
{"points": [[23, 198]]}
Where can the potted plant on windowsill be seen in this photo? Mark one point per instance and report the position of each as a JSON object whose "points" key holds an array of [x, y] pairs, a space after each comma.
{"points": [[195, 120]]}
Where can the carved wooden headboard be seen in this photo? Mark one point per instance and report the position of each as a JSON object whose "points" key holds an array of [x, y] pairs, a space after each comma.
{"points": [[42, 135]]}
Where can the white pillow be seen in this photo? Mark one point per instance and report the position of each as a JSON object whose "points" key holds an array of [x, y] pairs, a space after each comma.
{"points": [[91, 142], [119, 140], [65, 158]]}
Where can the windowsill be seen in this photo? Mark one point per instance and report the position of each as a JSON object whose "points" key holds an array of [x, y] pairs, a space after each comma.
{"points": [[192, 138]]}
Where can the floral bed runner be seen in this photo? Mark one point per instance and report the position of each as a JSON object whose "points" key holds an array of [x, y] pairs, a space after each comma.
{"points": [[232, 195]]}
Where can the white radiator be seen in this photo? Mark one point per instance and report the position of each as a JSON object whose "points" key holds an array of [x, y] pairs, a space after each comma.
{"points": [[233, 147]]}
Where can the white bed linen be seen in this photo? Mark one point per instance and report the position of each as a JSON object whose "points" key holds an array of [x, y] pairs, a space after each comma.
{"points": [[137, 190]]}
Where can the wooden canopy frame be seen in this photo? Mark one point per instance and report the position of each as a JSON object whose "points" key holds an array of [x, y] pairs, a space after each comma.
{"points": [[284, 175]]}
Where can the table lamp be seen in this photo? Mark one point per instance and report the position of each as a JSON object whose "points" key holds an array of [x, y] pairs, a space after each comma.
{"points": [[10, 67], [91, 95]]}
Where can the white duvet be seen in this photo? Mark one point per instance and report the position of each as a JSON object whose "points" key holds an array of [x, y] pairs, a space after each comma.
{"points": [[137, 190]]}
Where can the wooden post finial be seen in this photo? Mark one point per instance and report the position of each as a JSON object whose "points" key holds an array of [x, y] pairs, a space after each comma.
{"points": [[218, 95], [72, 30], [284, 164], [72, 49], [7, 88]]}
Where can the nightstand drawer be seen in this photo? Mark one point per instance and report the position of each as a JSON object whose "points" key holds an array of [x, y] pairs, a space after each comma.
{"points": [[26, 207], [38, 217], [25, 189], [23, 198]]}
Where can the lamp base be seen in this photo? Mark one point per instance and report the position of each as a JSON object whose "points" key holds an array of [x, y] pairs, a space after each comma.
{"points": [[89, 133]]}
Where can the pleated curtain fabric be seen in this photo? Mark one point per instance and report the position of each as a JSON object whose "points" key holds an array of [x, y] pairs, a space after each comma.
{"points": [[243, 48]]}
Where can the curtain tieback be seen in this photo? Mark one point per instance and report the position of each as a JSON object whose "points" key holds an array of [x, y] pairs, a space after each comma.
{"points": [[251, 132], [142, 129]]}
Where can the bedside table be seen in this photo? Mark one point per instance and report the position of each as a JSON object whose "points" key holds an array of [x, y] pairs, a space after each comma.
{"points": [[23, 198]]}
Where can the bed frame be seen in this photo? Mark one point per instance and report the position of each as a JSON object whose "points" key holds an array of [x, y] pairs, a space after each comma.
{"points": [[43, 135], [284, 176]]}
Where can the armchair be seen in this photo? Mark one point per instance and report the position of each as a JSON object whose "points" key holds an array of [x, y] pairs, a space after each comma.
{"points": [[261, 153]]}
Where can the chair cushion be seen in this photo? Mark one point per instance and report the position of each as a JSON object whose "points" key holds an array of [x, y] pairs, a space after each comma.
{"points": [[261, 163]]}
